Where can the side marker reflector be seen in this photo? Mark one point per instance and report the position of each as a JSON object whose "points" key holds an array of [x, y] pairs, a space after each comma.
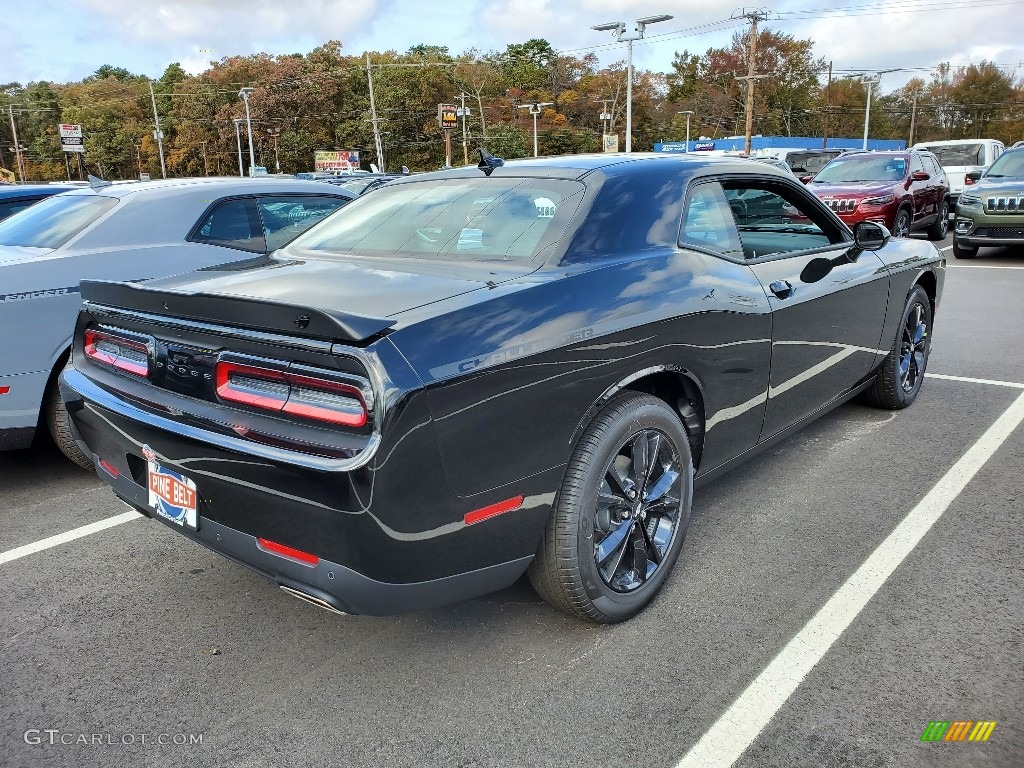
{"points": [[289, 553], [4, 390], [508, 505], [109, 468]]}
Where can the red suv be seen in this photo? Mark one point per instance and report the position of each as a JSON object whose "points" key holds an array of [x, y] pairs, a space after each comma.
{"points": [[906, 191]]}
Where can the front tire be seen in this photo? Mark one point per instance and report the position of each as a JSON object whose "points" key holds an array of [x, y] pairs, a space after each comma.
{"points": [[901, 224], [940, 227], [621, 513], [901, 374], [964, 251], [59, 423]]}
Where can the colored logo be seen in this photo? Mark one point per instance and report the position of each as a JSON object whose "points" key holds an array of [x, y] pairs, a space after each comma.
{"points": [[958, 730]]}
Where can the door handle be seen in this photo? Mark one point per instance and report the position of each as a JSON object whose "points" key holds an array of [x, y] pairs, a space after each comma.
{"points": [[781, 288]]}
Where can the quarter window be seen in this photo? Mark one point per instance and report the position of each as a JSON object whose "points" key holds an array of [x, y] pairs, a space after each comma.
{"points": [[708, 222], [233, 223]]}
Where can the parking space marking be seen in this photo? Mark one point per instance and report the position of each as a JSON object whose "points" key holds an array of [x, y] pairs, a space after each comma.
{"points": [[979, 266], [969, 380], [63, 538], [750, 713], [947, 248]]}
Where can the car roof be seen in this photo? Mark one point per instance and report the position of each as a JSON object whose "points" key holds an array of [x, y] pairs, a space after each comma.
{"points": [[577, 166], [216, 185]]}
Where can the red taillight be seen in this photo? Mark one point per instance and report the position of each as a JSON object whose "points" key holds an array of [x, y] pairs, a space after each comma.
{"points": [[288, 553], [286, 392], [118, 352], [477, 515], [4, 390]]}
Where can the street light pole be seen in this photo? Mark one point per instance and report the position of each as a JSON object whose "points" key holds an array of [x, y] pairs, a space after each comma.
{"points": [[618, 28], [244, 93], [535, 109], [872, 81], [274, 133], [687, 112], [238, 138]]}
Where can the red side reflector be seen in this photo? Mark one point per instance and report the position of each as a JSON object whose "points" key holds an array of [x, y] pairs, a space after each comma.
{"points": [[4, 390], [288, 553], [493, 510], [110, 468]]}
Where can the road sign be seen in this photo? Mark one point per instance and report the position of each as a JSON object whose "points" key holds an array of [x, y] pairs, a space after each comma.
{"points": [[73, 147], [448, 116], [611, 142], [70, 137], [70, 131]]}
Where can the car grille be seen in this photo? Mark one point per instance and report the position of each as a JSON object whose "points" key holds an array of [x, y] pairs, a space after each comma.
{"points": [[1000, 232], [841, 206], [1004, 204]]}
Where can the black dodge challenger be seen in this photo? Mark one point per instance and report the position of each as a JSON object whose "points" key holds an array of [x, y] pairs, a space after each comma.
{"points": [[484, 371]]}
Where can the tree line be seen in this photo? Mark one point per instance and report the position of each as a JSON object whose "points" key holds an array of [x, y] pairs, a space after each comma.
{"points": [[321, 100]]}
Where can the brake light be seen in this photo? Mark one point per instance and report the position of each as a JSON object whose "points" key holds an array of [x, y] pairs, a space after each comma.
{"points": [[300, 395], [117, 352]]}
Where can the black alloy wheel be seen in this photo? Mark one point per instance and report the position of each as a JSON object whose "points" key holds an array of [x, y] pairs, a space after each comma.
{"points": [[637, 512], [901, 373], [620, 516], [901, 224]]}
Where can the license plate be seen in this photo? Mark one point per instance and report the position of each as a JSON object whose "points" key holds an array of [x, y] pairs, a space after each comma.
{"points": [[172, 495]]}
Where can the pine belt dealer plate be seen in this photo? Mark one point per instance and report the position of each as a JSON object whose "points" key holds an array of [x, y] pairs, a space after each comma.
{"points": [[172, 495]]}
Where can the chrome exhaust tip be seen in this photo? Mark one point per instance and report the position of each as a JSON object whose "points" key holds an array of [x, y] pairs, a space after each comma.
{"points": [[318, 602]]}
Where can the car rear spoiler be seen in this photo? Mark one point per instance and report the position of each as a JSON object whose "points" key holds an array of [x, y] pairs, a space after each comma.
{"points": [[240, 312]]}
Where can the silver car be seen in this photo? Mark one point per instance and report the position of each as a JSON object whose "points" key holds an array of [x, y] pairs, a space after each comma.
{"points": [[122, 232]]}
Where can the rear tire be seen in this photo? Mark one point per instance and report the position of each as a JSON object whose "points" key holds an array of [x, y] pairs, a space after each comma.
{"points": [[59, 422], [901, 374], [620, 515], [940, 227], [964, 251]]}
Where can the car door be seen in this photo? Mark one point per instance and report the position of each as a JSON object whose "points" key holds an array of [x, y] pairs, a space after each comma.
{"points": [[923, 192], [825, 327]]}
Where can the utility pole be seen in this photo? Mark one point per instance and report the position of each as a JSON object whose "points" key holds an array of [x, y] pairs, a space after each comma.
{"points": [[274, 133], [913, 115], [535, 109], [138, 158], [17, 146], [373, 116], [606, 116], [158, 134], [465, 141], [206, 166], [244, 93], [828, 103], [753, 17], [238, 139]]}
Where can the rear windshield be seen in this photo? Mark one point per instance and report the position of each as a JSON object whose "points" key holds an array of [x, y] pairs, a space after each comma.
{"points": [[52, 222], [1009, 165], [809, 162], [863, 168], [483, 219], [953, 155]]}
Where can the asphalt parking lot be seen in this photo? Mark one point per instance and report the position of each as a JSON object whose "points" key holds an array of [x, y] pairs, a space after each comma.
{"points": [[132, 636]]}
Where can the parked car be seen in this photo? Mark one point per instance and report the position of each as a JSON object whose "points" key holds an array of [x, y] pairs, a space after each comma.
{"points": [[991, 211], [124, 232], [907, 191], [474, 373], [801, 161], [961, 156], [15, 198]]}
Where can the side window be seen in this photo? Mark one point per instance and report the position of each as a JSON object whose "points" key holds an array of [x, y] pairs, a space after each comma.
{"points": [[931, 166], [233, 223], [915, 163], [11, 207], [285, 218], [708, 222], [773, 219]]}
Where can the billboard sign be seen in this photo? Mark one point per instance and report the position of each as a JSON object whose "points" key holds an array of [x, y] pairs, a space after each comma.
{"points": [[447, 116], [611, 142], [335, 160], [70, 137]]}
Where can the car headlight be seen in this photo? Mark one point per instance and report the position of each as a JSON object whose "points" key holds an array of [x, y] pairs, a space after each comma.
{"points": [[882, 200], [965, 199]]}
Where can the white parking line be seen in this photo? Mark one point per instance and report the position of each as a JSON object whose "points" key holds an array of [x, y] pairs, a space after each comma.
{"points": [[968, 380], [979, 266], [947, 248], [63, 538], [743, 722]]}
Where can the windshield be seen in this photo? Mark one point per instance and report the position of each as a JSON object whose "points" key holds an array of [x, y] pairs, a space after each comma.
{"points": [[1009, 165], [863, 168], [953, 155], [52, 222], [479, 219]]}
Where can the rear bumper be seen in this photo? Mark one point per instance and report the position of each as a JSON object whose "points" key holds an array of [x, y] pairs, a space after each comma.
{"points": [[342, 588], [389, 536]]}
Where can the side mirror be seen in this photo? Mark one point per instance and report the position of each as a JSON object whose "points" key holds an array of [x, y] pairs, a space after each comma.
{"points": [[919, 176], [870, 235], [972, 177]]}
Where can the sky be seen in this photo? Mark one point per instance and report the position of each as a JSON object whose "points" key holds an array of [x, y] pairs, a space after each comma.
{"points": [[68, 40]]}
